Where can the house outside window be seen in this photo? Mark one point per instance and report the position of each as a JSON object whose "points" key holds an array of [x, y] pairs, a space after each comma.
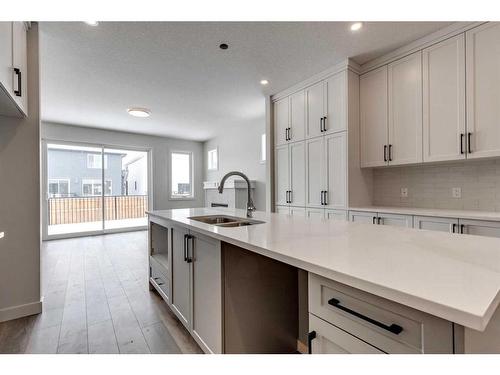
{"points": [[94, 161], [59, 187], [92, 188], [181, 175]]}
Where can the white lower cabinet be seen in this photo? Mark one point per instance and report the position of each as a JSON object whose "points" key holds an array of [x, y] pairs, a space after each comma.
{"points": [[336, 215], [395, 220], [480, 227], [197, 286], [343, 319], [441, 224], [315, 212], [363, 217], [297, 211]]}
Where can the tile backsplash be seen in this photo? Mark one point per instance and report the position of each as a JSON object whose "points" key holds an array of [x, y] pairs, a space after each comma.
{"points": [[431, 186]]}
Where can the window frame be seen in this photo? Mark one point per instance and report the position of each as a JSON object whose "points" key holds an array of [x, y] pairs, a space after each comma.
{"points": [[263, 148], [100, 157], [58, 180], [92, 182], [191, 176], [216, 149]]}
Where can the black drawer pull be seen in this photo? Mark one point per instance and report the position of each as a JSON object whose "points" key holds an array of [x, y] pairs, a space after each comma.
{"points": [[393, 328], [18, 92], [310, 337]]}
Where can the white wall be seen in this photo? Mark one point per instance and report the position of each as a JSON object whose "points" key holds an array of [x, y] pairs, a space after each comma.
{"points": [[160, 149], [20, 202], [239, 150]]}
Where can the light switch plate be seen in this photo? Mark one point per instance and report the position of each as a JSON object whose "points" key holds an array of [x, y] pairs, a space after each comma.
{"points": [[404, 192], [456, 192]]}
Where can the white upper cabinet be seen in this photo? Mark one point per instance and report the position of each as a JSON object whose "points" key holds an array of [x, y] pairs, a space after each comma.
{"points": [[281, 121], [444, 100], [373, 118], [336, 170], [13, 69], [315, 98], [315, 176], [405, 110], [297, 116], [336, 103], [483, 90], [282, 174], [297, 157]]}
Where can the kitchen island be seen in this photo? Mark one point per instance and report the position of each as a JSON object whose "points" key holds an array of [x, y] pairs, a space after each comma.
{"points": [[362, 279]]}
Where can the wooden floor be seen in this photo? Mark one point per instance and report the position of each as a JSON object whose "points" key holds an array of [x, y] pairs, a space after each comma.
{"points": [[97, 300]]}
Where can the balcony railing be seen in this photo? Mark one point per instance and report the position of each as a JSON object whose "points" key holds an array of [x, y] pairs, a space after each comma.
{"points": [[74, 210]]}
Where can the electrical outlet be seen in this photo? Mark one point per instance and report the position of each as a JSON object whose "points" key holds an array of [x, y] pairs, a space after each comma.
{"points": [[404, 192], [456, 192]]}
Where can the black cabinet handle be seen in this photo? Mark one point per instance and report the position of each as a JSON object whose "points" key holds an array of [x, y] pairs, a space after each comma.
{"points": [[289, 134], [453, 226], [462, 135], [374, 219], [379, 219], [189, 258], [385, 152], [393, 328], [18, 92], [469, 147], [325, 192], [324, 123], [310, 337], [290, 197], [462, 227], [321, 124], [185, 247], [390, 152]]}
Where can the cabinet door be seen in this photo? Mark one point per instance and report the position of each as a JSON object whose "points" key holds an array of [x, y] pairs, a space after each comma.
{"points": [[282, 174], [444, 100], [281, 120], [483, 90], [332, 340], [315, 109], [441, 224], [315, 212], [285, 210], [181, 279], [297, 173], [336, 170], [335, 103], [405, 110], [207, 293], [298, 211], [363, 217], [336, 215], [373, 117], [395, 220], [20, 61], [315, 175], [297, 116], [480, 227], [6, 56]]}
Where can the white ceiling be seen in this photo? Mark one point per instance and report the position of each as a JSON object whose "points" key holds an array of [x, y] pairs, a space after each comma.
{"points": [[91, 75]]}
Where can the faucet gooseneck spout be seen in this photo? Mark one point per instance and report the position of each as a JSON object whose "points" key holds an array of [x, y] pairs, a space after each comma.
{"points": [[250, 206]]}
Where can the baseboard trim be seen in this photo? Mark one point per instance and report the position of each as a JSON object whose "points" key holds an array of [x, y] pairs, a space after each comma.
{"points": [[16, 312]]}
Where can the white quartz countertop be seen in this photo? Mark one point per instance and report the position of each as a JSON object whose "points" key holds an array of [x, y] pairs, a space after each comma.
{"points": [[436, 212], [455, 277]]}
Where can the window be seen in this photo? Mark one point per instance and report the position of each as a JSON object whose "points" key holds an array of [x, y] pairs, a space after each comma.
{"points": [[58, 187], [181, 175], [213, 159], [92, 188], [263, 148], [94, 161]]}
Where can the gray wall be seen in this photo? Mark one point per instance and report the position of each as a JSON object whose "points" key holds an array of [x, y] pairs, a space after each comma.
{"points": [[239, 150], [72, 165], [20, 201], [160, 148]]}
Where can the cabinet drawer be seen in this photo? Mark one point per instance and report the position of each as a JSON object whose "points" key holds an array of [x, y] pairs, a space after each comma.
{"points": [[332, 340], [160, 282], [370, 318]]}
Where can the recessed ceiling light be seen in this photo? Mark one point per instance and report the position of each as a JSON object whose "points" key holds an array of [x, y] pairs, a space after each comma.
{"points": [[92, 23], [264, 82], [356, 26], [223, 46], [139, 112]]}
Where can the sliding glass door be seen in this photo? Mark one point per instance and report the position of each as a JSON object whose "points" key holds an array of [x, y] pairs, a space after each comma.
{"points": [[93, 189]]}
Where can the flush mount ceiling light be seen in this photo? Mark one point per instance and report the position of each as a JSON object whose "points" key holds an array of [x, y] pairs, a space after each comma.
{"points": [[139, 112], [92, 23], [356, 26], [264, 82]]}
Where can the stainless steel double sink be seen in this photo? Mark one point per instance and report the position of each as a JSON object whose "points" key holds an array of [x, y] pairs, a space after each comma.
{"points": [[225, 220]]}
